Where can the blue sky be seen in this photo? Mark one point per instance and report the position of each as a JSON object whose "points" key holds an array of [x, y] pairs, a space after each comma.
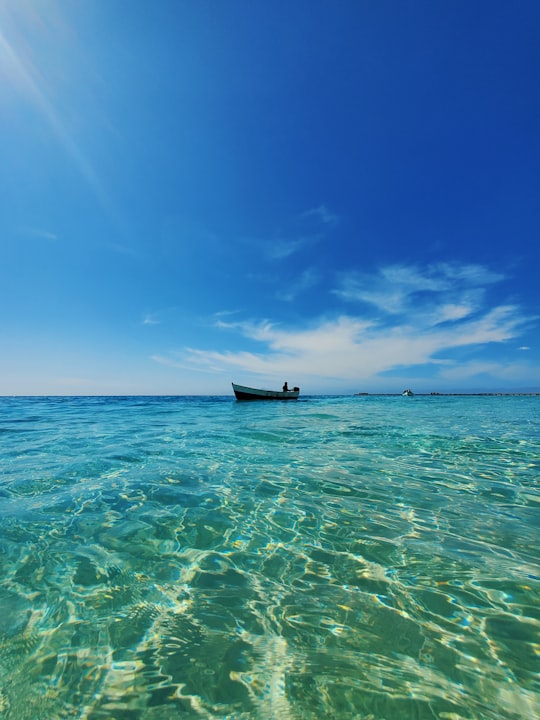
{"points": [[342, 195]]}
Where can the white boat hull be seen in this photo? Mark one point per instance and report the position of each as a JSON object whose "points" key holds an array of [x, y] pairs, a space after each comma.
{"points": [[246, 393]]}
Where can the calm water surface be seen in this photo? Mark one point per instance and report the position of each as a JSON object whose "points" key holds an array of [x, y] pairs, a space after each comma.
{"points": [[374, 558]]}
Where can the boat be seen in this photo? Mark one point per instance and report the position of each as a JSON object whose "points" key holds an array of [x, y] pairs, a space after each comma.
{"points": [[247, 393], [408, 393]]}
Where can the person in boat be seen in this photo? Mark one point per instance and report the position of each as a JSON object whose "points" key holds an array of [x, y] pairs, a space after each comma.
{"points": [[285, 387]]}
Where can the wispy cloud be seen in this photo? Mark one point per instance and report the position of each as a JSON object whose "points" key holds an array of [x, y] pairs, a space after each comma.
{"points": [[150, 319], [361, 348], [172, 361], [38, 233], [323, 214], [282, 248], [396, 288], [307, 279], [301, 232], [349, 347], [503, 372]]}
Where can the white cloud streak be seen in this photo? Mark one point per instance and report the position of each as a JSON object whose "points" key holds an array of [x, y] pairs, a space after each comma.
{"points": [[351, 348], [323, 214], [282, 248], [305, 230], [306, 280], [396, 289], [37, 233]]}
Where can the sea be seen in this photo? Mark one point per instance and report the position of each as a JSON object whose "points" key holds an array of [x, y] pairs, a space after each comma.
{"points": [[363, 557]]}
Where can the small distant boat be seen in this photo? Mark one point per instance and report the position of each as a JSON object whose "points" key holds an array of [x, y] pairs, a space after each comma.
{"points": [[408, 393], [246, 393]]}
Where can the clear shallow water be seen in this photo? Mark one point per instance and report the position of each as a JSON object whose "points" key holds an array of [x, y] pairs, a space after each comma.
{"points": [[374, 558]]}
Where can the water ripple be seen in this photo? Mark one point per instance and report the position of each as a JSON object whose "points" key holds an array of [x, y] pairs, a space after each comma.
{"points": [[167, 557]]}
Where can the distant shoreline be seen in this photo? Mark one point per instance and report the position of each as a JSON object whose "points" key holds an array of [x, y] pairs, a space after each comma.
{"points": [[441, 394]]}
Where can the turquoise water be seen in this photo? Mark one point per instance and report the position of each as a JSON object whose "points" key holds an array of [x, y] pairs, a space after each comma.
{"points": [[374, 558]]}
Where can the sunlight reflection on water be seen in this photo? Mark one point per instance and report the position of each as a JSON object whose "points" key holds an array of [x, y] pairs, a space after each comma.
{"points": [[339, 557]]}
